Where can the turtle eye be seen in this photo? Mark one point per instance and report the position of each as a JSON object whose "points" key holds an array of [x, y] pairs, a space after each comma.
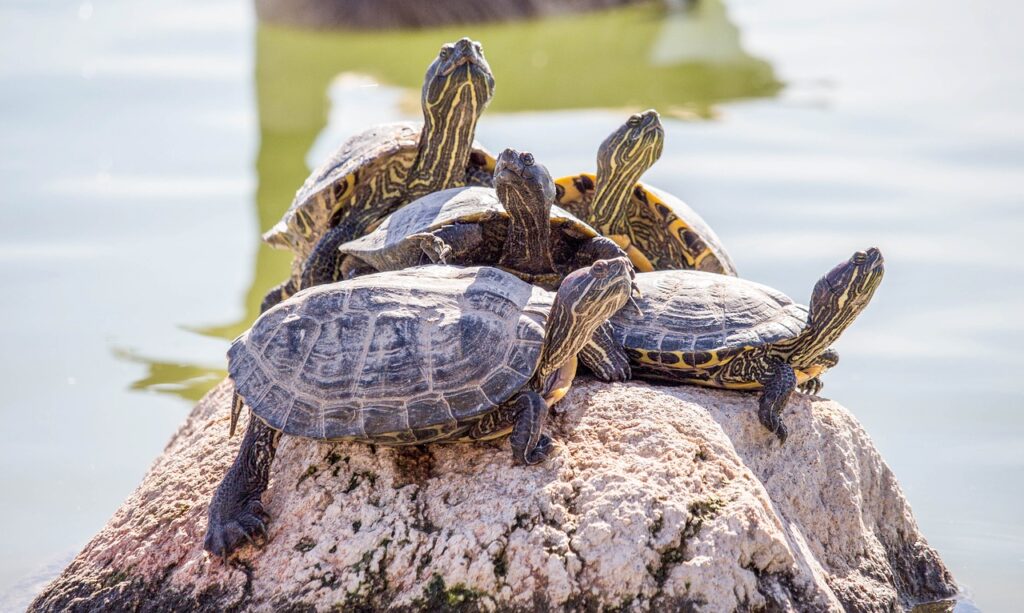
{"points": [[445, 52], [860, 257], [527, 158], [599, 268], [633, 121]]}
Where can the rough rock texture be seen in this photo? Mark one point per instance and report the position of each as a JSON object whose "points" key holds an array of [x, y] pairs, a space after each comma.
{"points": [[656, 498], [386, 14]]}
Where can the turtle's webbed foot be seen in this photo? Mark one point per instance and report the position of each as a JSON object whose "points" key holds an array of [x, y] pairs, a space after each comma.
{"points": [[227, 531], [436, 249], [811, 386], [773, 422], [541, 452]]}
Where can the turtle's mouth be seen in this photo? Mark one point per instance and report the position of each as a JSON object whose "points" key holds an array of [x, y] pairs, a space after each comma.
{"points": [[459, 62]]}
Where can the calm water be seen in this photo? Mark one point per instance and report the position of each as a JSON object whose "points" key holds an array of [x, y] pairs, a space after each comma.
{"points": [[145, 145]]}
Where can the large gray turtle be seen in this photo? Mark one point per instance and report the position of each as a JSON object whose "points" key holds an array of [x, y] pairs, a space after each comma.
{"points": [[374, 172], [514, 226], [434, 353], [720, 331]]}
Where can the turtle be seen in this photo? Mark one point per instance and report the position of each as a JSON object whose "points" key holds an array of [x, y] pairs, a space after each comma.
{"points": [[721, 331], [376, 171], [430, 353], [513, 226], [656, 229]]}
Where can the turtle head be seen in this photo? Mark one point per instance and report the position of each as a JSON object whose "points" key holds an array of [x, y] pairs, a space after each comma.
{"points": [[585, 300], [520, 180], [621, 160], [838, 298], [458, 77]]}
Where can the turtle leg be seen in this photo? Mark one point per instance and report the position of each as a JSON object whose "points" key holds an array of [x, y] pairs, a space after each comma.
{"points": [[278, 293], [826, 360], [526, 413], [778, 387], [324, 263], [236, 513], [605, 357], [450, 243], [597, 248], [352, 267]]}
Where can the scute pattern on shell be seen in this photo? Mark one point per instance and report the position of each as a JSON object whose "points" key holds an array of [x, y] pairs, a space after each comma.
{"points": [[388, 246], [432, 347], [699, 311]]}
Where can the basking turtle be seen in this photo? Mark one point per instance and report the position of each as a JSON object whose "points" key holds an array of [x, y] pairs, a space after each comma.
{"points": [[726, 332], [434, 353], [513, 226], [656, 229], [374, 172]]}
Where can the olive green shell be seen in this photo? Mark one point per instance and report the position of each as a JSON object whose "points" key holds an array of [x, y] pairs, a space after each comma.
{"points": [[670, 234], [691, 315], [396, 358], [376, 160], [389, 248]]}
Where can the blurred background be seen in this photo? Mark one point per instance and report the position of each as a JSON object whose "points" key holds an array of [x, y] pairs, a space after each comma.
{"points": [[146, 145]]}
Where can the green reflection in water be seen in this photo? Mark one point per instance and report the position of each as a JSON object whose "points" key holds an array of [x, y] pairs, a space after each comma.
{"points": [[679, 62], [188, 381]]}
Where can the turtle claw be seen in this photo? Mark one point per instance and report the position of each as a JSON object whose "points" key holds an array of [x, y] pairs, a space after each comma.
{"points": [[435, 248], [541, 452], [811, 387], [773, 422], [225, 535]]}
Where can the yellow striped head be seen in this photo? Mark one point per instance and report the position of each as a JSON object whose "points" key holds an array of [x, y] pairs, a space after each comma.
{"points": [[522, 184], [631, 149], [458, 84]]}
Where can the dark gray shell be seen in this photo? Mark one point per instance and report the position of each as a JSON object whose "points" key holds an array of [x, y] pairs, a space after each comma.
{"points": [[691, 311], [389, 248], [380, 356]]}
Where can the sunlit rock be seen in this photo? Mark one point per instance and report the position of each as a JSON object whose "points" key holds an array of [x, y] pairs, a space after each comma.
{"points": [[656, 498]]}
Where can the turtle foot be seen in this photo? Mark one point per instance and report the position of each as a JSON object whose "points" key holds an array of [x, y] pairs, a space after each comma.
{"points": [[541, 452], [434, 247], [228, 531], [811, 387], [773, 422]]}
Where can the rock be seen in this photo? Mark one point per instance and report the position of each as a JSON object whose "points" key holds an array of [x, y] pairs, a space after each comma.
{"points": [[387, 14], [656, 498]]}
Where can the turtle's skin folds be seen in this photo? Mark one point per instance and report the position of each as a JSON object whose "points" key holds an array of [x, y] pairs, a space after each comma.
{"points": [[657, 230], [434, 353], [720, 331], [513, 226], [387, 166]]}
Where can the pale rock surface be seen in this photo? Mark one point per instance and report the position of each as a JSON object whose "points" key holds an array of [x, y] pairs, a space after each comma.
{"points": [[656, 498]]}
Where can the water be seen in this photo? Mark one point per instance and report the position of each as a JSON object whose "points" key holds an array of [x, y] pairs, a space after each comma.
{"points": [[146, 145]]}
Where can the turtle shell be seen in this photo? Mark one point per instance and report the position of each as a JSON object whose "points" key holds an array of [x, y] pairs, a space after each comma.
{"points": [[696, 313], [377, 159], [670, 234], [396, 358], [389, 247]]}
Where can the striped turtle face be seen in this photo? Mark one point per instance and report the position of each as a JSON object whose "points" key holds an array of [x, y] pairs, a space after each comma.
{"points": [[629, 151], [458, 84], [848, 287], [523, 184], [585, 300]]}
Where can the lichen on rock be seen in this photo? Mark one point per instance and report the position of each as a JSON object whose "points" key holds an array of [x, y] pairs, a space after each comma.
{"points": [[663, 498]]}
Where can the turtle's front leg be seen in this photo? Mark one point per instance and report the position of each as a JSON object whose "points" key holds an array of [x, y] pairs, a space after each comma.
{"points": [[597, 248], [236, 512], [779, 384], [451, 243], [605, 357], [324, 263], [278, 293], [526, 413]]}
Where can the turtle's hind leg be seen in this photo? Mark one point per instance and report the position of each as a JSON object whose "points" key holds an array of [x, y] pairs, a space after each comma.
{"points": [[451, 243], [236, 514], [778, 387], [278, 293]]}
